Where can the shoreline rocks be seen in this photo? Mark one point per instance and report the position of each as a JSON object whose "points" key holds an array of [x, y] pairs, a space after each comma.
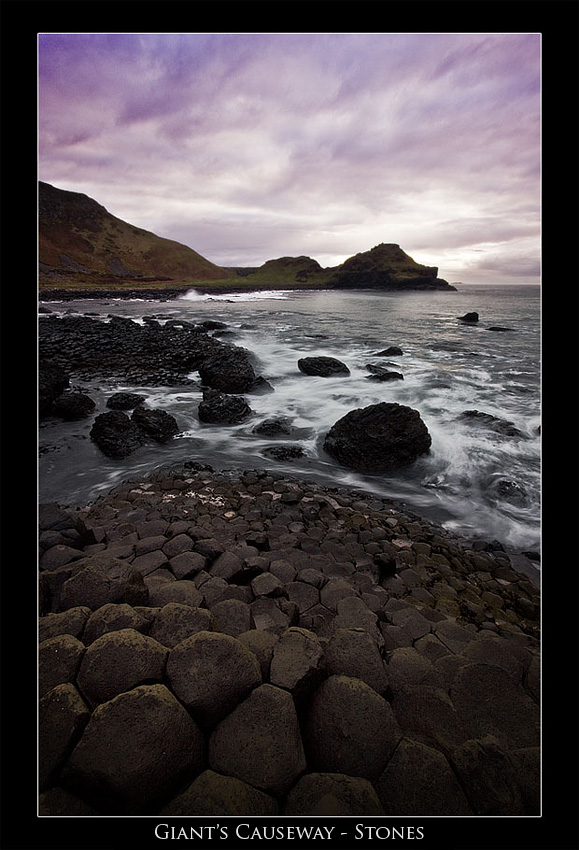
{"points": [[355, 658]]}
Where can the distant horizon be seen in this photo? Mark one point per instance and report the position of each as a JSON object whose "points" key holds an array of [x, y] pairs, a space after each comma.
{"points": [[250, 146]]}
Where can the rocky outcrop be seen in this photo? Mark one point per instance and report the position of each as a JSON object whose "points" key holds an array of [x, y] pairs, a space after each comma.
{"points": [[387, 267], [337, 656], [378, 438]]}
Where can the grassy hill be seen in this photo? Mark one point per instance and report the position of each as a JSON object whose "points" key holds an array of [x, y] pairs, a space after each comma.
{"points": [[83, 248]]}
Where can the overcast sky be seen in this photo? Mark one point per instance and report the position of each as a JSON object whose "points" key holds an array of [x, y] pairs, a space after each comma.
{"points": [[248, 147]]}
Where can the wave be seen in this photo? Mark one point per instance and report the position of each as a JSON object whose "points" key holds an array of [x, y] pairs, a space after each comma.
{"points": [[258, 295]]}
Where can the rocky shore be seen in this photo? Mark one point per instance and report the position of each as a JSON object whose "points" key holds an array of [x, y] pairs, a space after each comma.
{"points": [[216, 643]]}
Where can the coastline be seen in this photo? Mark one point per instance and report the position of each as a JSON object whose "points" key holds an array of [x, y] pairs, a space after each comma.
{"points": [[332, 599]]}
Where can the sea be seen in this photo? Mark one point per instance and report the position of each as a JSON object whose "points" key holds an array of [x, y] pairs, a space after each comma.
{"points": [[477, 481]]}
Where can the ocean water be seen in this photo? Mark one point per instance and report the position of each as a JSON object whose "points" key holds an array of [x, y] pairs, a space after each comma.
{"points": [[476, 481]]}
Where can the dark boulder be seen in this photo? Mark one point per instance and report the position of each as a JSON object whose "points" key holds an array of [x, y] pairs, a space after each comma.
{"points": [[219, 408], [321, 366], [391, 351], [378, 438], [229, 371], [279, 428], [73, 405], [284, 453], [52, 381], [125, 401], [116, 435], [379, 373], [494, 423], [158, 424], [471, 318]]}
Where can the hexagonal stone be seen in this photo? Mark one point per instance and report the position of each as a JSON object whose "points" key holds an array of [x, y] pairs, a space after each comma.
{"points": [[418, 780], [103, 579], [214, 794], [71, 622], [327, 794], [232, 616], [135, 750], [350, 729], [58, 661], [175, 591], [211, 673], [175, 622], [261, 643], [352, 652], [62, 716], [298, 661], [260, 742], [119, 661], [112, 617], [488, 776]]}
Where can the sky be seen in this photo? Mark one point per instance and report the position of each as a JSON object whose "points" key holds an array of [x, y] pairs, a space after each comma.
{"points": [[251, 146]]}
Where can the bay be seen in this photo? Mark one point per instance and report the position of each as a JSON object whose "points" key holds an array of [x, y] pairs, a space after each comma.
{"points": [[476, 481]]}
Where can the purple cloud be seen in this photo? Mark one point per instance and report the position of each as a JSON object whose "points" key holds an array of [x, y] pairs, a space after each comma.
{"points": [[251, 146]]}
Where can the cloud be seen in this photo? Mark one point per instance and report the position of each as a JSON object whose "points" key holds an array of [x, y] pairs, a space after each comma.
{"points": [[250, 146]]}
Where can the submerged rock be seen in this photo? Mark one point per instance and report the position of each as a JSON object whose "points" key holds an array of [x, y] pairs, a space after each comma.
{"points": [[378, 438], [223, 409], [471, 318]]}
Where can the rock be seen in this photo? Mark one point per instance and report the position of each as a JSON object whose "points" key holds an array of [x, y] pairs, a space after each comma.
{"points": [[428, 715], [229, 371], [58, 661], [218, 408], [494, 703], [71, 622], [56, 802], [119, 661], [350, 729], [183, 591], [52, 381], [284, 453], [297, 664], [62, 716], [378, 438], [469, 317], [101, 579], [72, 406], [260, 742], [174, 622], [494, 423], [488, 776], [353, 653], [112, 617], [232, 616], [278, 428], [116, 435], [332, 794], [125, 401], [261, 643], [379, 373], [214, 794], [135, 750], [418, 780], [324, 367], [211, 673], [391, 351], [158, 424]]}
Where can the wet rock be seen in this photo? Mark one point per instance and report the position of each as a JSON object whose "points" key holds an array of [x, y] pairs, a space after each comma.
{"points": [[72, 406], [158, 424], [52, 381], [470, 318], [229, 371], [279, 428], [379, 373], [378, 438], [324, 367], [391, 351], [332, 794], [125, 401], [284, 453], [260, 742], [211, 673], [219, 408], [493, 423], [116, 435], [135, 750]]}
